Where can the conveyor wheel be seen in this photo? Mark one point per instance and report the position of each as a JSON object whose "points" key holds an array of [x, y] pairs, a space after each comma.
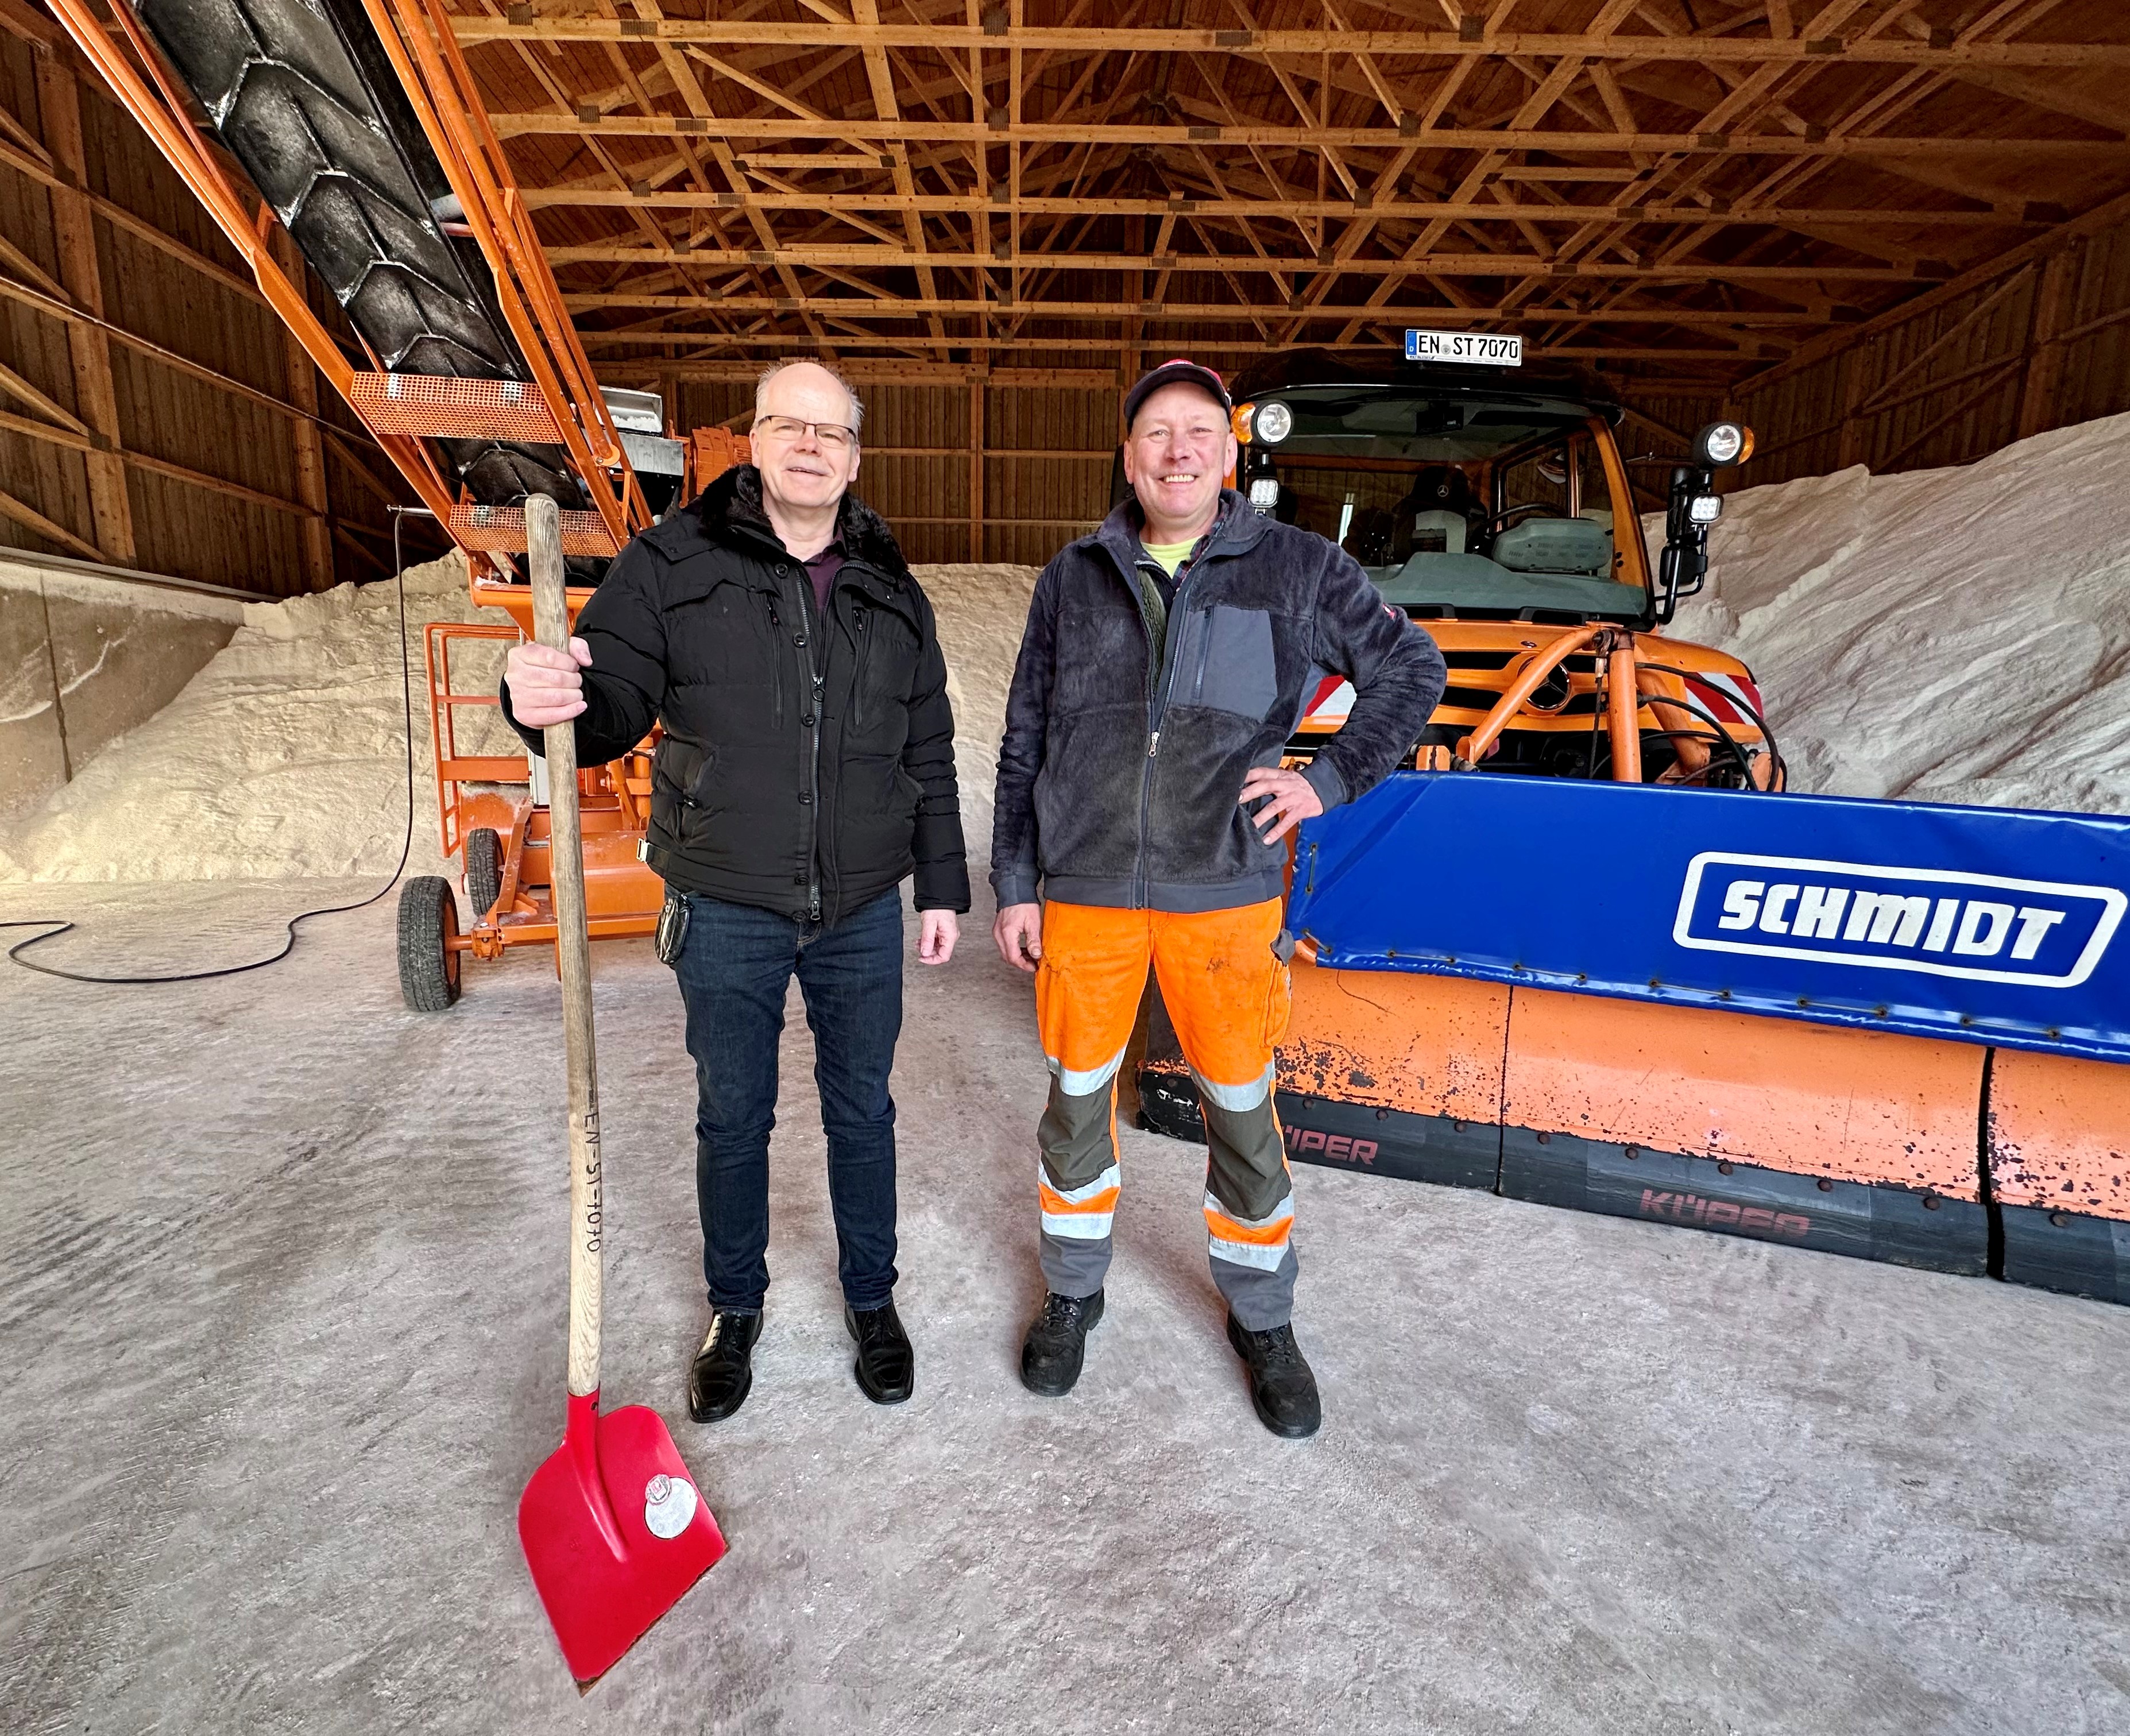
{"points": [[483, 870], [428, 923]]}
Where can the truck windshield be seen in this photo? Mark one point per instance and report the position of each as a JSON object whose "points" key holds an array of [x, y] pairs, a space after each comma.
{"points": [[1474, 504]]}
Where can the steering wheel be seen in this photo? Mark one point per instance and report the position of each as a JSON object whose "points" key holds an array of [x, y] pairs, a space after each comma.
{"points": [[1501, 518]]}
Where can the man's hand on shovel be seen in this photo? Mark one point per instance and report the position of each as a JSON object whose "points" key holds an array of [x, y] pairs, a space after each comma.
{"points": [[615, 1529], [545, 687]]}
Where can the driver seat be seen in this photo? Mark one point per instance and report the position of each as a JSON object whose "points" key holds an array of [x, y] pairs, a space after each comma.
{"points": [[1434, 518]]}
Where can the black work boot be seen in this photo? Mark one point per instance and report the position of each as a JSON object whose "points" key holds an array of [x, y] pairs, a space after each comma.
{"points": [[1282, 1387], [885, 1369], [1057, 1341], [724, 1368]]}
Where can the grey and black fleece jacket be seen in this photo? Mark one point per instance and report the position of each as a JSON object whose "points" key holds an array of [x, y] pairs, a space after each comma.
{"points": [[1116, 789]]}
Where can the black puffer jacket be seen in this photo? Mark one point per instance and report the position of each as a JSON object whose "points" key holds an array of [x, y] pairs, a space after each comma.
{"points": [[807, 765], [1115, 791]]}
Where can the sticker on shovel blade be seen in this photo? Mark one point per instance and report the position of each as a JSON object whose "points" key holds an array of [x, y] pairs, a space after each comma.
{"points": [[669, 1504]]}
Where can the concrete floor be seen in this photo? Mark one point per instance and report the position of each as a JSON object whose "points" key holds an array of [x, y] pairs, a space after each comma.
{"points": [[281, 1305]]}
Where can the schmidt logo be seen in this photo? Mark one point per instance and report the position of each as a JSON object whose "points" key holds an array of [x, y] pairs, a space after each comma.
{"points": [[2042, 934]]}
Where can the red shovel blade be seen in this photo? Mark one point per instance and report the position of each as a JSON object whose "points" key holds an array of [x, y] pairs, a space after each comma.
{"points": [[615, 1531]]}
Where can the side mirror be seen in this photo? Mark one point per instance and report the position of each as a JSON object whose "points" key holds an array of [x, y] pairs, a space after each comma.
{"points": [[1693, 506]]}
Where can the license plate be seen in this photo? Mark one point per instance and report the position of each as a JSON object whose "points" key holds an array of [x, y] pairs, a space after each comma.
{"points": [[1480, 348]]}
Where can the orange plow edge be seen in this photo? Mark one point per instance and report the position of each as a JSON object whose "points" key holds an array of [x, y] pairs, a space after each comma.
{"points": [[1643, 1047]]}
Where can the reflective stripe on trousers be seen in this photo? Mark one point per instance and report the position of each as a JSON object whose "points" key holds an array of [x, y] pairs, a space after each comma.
{"points": [[1226, 991]]}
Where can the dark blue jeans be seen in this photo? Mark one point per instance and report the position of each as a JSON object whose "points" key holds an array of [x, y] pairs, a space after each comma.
{"points": [[734, 970]]}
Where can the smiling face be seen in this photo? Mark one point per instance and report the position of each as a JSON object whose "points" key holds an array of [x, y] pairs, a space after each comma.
{"points": [[1178, 453], [800, 471]]}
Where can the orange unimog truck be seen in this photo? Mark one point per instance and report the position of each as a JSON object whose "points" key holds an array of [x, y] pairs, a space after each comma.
{"points": [[1586, 950], [1495, 510]]}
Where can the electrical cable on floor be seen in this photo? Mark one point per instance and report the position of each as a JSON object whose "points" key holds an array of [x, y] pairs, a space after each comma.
{"points": [[54, 926]]}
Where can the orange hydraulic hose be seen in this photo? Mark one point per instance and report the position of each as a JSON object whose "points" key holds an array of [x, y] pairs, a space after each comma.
{"points": [[1481, 739], [1623, 704], [162, 118], [1691, 751]]}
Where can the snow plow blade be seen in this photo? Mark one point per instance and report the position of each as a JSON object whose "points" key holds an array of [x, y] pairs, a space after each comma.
{"points": [[1882, 1029]]}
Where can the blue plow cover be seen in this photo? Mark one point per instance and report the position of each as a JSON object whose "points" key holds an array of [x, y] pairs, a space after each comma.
{"points": [[1987, 925]]}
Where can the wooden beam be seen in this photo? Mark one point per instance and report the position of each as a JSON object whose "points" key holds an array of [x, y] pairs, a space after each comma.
{"points": [[19, 19], [300, 375], [522, 123], [976, 468], [54, 307], [1886, 389], [2000, 377], [2026, 213], [1441, 264], [1699, 47], [119, 217], [890, 307], [2103, 215], [2039, 392], [89, 447], [74, 233], [354, 547], [16, 387], [23, 513]]}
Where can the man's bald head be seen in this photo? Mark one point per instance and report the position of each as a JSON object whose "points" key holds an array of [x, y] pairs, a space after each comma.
{"points": [[806, 438], [808, 379]]}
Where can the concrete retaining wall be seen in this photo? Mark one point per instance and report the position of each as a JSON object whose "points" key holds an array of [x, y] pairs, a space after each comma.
{"points": [[87, 653]]}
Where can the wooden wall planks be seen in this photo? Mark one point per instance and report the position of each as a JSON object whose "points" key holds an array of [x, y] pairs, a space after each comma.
{"points": [[1946, 386]]}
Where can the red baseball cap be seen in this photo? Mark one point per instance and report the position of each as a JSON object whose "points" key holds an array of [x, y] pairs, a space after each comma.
{"points": [[1179, 371]]}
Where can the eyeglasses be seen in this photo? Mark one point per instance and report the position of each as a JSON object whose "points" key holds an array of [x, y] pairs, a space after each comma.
{"points": [[832, 436]]}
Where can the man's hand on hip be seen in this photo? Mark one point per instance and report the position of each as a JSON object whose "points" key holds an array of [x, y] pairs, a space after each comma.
{"points": [[1019, 933], [936, 931], [1294, 800], [545, 687]]}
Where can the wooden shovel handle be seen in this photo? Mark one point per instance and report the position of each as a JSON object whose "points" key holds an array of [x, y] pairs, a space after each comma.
{"points": [[550, 627]]}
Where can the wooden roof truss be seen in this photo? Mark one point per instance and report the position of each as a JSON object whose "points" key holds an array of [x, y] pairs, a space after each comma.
{"points": [[1683, 188]]}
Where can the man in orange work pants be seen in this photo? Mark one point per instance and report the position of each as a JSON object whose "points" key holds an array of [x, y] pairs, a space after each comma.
{"points": [[1168, 658], [1224, 980]]}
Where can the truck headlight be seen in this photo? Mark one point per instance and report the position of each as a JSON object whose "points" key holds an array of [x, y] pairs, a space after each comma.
{"points": [[1273, 423], [1722, 443]]}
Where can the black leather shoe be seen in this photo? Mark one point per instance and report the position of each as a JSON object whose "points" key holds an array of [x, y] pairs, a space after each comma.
{"points": [[1282, 1387], [1056, 1343], [887, 1370], [723, 1369]]}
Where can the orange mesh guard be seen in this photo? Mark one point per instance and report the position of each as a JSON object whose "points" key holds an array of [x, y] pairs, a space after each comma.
{"points": [[442, 407], [501, 531]]}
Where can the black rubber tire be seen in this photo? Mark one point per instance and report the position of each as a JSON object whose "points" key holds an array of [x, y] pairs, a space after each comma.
{"points": [[428, 922], [483, 870]]}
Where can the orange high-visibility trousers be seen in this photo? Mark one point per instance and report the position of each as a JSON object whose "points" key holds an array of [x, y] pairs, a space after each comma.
{"points": [[1226, 986]]}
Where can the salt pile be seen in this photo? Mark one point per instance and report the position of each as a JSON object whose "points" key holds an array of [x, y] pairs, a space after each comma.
{"points": [[1958, 634], [284, 756], [981, 611]]}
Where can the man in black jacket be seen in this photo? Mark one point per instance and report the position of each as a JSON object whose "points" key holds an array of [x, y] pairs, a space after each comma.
{"points": [[807, 766], [1168, 657]]}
